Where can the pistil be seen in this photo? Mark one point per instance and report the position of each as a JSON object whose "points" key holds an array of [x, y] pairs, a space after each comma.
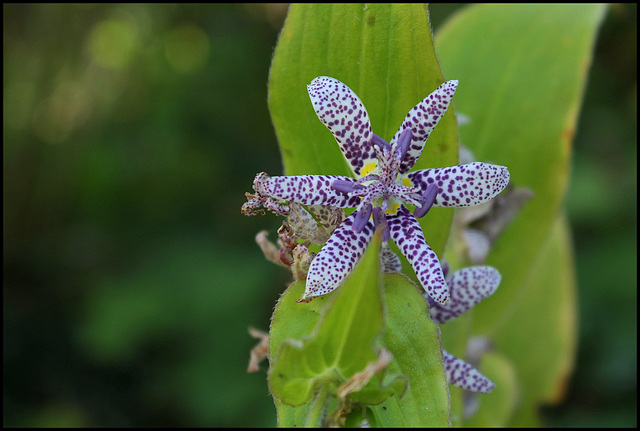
{"points": [[384, 185]]}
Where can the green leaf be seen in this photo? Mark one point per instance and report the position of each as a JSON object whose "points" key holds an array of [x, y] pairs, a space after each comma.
{"points": [[409, 335], [522, 71], [414, 341], [383, 52], [542, 340], [341, 345], [292, 320]]}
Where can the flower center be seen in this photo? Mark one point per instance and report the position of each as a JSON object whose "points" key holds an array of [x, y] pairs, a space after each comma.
{"points": [[383, 184]]}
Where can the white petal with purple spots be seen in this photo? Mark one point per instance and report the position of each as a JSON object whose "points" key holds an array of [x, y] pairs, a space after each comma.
{"points": [[308, 190], [464, 185], [337, 258], [422, 119], [407, 234], [390, 261], [464, 375], [467, 287], [340, 109]]}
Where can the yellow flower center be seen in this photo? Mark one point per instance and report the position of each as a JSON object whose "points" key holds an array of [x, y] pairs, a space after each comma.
{"points": [[368, 168]]}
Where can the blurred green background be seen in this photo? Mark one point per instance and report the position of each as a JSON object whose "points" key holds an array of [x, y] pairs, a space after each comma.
{"points": [[131, 133]]}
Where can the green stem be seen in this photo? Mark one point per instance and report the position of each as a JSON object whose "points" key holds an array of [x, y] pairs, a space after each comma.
{"points": [[314, 419]]}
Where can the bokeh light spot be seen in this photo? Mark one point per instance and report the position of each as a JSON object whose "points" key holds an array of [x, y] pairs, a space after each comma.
{"points": [[187, 48], [112, 43]]}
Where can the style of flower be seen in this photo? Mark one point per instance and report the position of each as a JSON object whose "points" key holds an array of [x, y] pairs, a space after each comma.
{"points": [[381, 188], [467, 287]]}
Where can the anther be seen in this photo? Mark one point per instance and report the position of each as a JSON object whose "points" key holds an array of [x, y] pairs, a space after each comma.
{"points": [[379, 219], [361, 218], [345, 186], [380, 143], [404, 140], [428, 197]]}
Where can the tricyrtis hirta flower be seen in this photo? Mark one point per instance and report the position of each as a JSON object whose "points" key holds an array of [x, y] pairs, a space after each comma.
{"points": [[467, 287], [381, 188]]}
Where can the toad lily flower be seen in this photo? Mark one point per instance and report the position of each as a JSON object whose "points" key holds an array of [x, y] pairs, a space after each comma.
{"points": [[381, 187], [467, 287]]}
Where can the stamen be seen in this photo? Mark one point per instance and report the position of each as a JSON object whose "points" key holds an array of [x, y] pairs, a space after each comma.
{"points": [[404, 140], [377, 216], [428, 197], [380, 143], [380, 219], [361, 218], [371, 177]]}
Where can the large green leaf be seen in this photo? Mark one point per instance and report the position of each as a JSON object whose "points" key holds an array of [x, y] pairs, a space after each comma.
{"points": [[341, 345], [414, 341], [411, 337], [541, 336], [292, 320], [383, 52], [522, 72], [342, 342]]}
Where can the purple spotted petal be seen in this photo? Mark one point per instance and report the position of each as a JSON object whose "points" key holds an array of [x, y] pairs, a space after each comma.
{"points": [[407, 234], [467, 287], [464, 185], [337, 258], [308, 190], [422, 119], [340, 109], [463, 375], [390, 262]]}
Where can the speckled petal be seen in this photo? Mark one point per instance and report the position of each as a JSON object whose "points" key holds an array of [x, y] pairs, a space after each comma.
{"points": [[407, 234], [422, 119], [308, 190], [463, 375], [390, 262], [463, 185], [467, 287], [340, 109], [337, 258]]}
